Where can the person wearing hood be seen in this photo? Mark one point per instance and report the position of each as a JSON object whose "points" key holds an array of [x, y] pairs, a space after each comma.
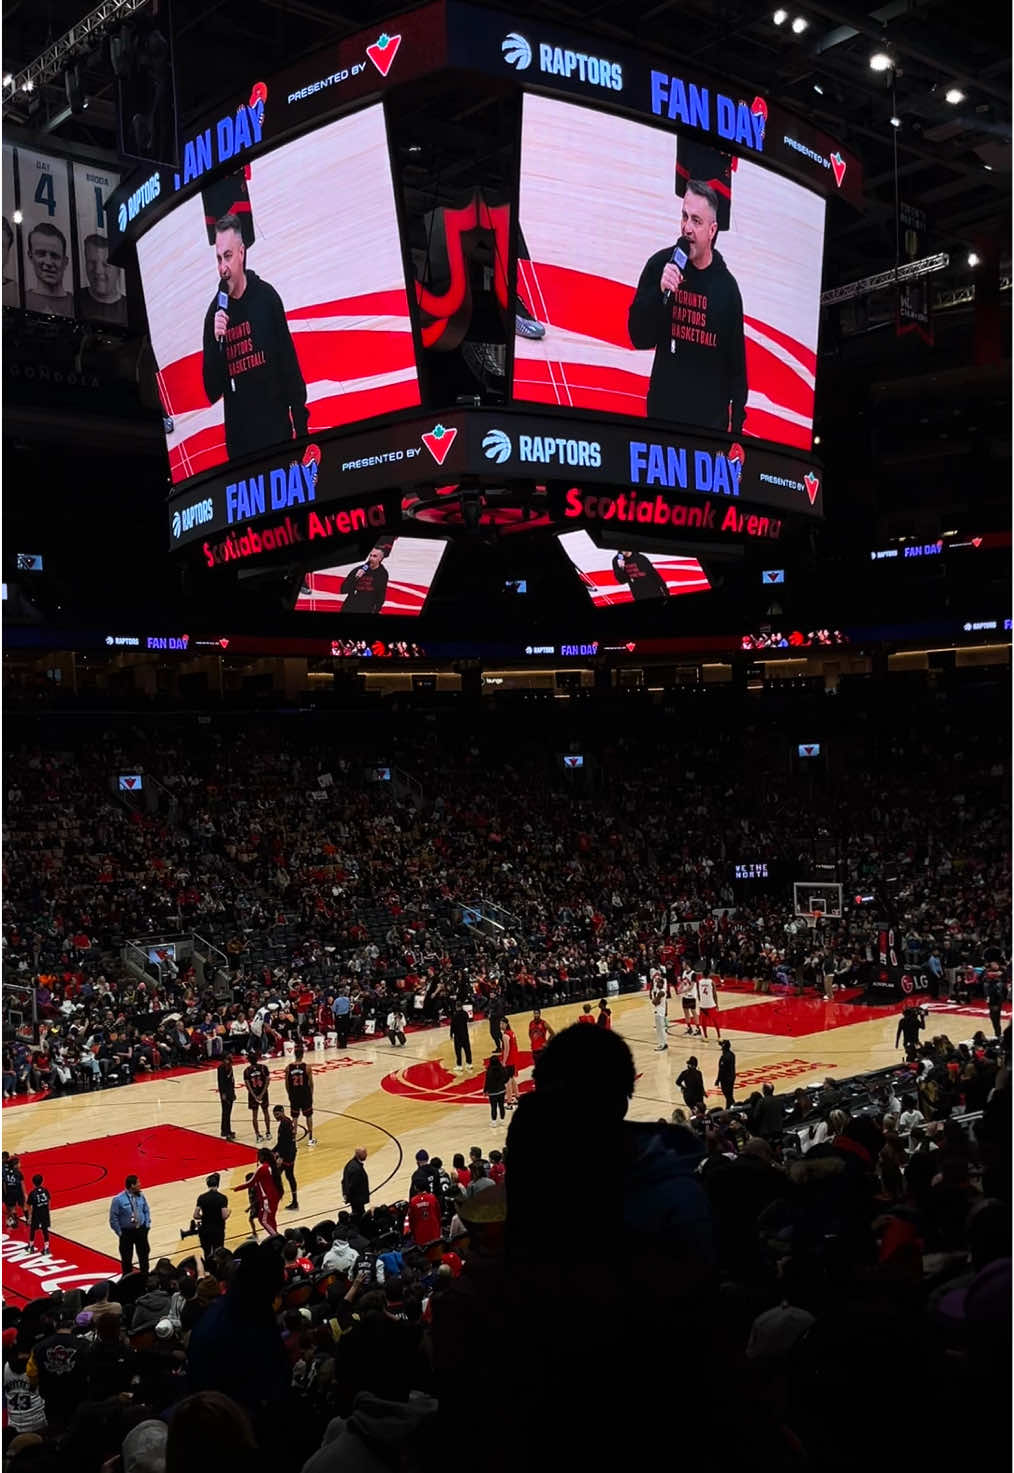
{"points": [[153, 1305], [379, 1435], [693, 318]]}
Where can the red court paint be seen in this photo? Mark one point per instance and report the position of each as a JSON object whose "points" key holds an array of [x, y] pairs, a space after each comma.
{"points": [[87, 1170], [67, 1265], [795, 1017]]}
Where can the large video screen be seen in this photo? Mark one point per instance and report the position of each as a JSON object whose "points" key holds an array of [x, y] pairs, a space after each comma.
{"points": [[276, 299], [394, 578], [626, 576], [660, 277]]}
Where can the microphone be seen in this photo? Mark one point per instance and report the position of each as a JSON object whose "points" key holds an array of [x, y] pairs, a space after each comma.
{"points": [[223, 306], [680, 256]]}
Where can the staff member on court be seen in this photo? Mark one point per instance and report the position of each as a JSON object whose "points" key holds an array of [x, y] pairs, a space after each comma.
{"points": [[227, 1095], [694, 320], [210, 1213], [130, 1220], [250, 359]]}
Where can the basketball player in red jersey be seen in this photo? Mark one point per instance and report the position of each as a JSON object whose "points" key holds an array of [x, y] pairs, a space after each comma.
{"points": [[265, 1191], [539, 1033], [299, 1088], [509, 1058]]}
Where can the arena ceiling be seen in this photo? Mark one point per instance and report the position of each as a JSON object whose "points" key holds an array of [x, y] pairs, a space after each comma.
{"points": [[953, 160]]}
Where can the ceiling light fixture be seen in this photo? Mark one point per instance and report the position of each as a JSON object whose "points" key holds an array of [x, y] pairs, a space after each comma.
{"points": [[8, 79], [780, 17], [28, 86], [880, 62], [973, 259], [895, 121], [954, 95], [17, 217], [818, 89], [799, 25]]}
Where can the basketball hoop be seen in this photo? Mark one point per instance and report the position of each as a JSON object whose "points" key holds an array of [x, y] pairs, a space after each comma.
{"points": [[811, 917]]}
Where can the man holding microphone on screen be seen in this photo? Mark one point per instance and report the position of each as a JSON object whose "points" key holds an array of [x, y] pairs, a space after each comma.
{"points": [[249, 357], [688, 308]]}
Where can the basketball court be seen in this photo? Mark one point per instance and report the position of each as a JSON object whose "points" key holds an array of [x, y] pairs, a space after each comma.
{"points": [[394, 1101]]}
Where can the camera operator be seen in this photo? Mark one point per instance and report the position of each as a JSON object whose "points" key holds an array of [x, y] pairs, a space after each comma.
{"points": [[210, 1214]]}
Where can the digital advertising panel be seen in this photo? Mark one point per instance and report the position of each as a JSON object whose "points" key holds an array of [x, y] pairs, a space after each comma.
{"points": [[274, 310], [662, 278], [602, 476], [395, 577], [625, 576]]}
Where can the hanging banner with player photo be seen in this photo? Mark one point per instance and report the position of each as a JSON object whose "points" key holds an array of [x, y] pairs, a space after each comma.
{"points": [[626, 576], [46, 233], [102, 296], [276, 300], [12, 266], [394, 578], [661, 277]]}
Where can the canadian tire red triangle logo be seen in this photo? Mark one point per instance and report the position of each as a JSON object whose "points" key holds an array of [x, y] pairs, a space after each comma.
{"points": [[438, 442], [812, 484], [224, 643], [839, 166], [130, 781], [808, 751], [383, 51]]}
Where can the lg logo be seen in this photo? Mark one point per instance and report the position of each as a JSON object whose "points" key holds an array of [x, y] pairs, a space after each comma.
{"points": [[497, 447], [516, 51]]}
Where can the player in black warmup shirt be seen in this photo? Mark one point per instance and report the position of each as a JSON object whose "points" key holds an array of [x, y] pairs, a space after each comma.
{"points": [[13, 1189], [257, 1079], [38, 1206], [299, 1088], [285, 1153], [250, 360], [694, 320]]}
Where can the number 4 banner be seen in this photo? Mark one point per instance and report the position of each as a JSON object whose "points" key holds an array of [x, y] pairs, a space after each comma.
{"points": [[46, 233], [102, 296]]}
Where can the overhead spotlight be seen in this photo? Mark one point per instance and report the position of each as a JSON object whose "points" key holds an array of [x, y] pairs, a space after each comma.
{"points": [[816, 439], [988, 168], [973, 259], [28, 86], [895, 121], [8, 79], [17, 217], [954, 95], [880, 62], [799, 25], [818, 89], [780, 17]]}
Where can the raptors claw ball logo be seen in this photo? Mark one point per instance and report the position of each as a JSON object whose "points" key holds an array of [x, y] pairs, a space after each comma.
{"points": [[435, 1083]]}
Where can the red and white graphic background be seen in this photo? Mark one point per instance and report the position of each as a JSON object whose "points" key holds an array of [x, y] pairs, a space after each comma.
{"points": [[595, 568], [411, 567], [597, 199], [327, 240]]}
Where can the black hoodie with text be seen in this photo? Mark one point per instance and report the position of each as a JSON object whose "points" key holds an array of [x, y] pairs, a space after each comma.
{"points": [[255, 371], [699, 373]]}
